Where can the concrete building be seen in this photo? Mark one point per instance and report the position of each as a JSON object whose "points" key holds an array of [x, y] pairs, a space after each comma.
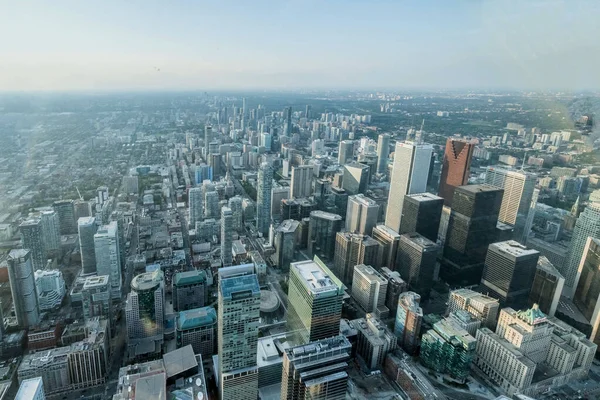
{"points": [[356, 178], [482, 307], [226, 236], [374, 341], [145, 314], [285, 243], [408, 321], [31, 238], [263, 198], [238, 312], [277, 195], [409, 173], [421, 213], [50, 288], [108, 256], [211, 204], [195, 210], [345, 151], [88, 359], [465, 320], [448, 349], [472, 227], [50, 365], [388, 240], [456, 167], [352, 249], [87, 228], [416, 260], [301, 185], [66, 216], [22, 287], [547, 287], [269, 358], [361, 215], [95, 297], [530, 353], [316, 370], [518, 192], [31, 389], [197, 327], [395, 286], [50, 232], [322, 229], [235, 203], [315, 299], [383, 152], [369, 289], [189, 290], [509, 272]]}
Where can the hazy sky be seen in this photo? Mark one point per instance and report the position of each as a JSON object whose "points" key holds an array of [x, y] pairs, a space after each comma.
{"points": [[253, 44]]}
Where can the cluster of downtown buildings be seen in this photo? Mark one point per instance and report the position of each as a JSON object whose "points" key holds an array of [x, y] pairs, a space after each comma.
{"points": [[335, 226]]}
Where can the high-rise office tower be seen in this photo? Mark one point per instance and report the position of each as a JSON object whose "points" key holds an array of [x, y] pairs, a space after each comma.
{"points": [[383, 151], [373, 341], [285, 242], [409, 175], [361, 214], [315, 298], [345, 151], [395, 286], [369, 289], [408, 321], [587, 225], [50, 231], [108, 256], [101, 195], [263, 198], [22, 287], [307, 112], [352, 249], [208, 136], [145, 310], [518, 191], [547, 287], [287, 121], [95, 297], [421, 213], [456, 167], [235, 203], [195, 200], [416, 261], [31, 238], [211, 202], [509, 271], [87, 229], [81, 209], [189, 290], [66, 216], [277, 195], [356, 178], [471, 229], [301, 185], [50, 287], [587, 287], [198, 328], [239, 313], [317, 370], [388, 240], [322, 229], [226, 236]]}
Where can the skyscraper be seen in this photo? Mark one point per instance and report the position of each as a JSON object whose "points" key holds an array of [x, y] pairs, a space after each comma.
{"points": [[345, 151], [409, 175], [95, 297], [518, 191], [547, 287], [480, 306], [195, 200], [208, 137], [31, 238], [587, 290], [50, 231], [509, 271], [226, 236], [22, 287], [383, 151], [388, 240], [263, 198], [66, 216], [239, 313], [108, 256], [361, 214], [369, 289], [315, 299], [471, 229], [456, 167], [189, 290], [416, 261], [421, 213], [408, 321], [235, 203], [356, 178], [587, 225], [322, 229], [285, 243], [352, 249], [301, 185], [316, 370], [87, 229], [277, 195], [211, 202]]}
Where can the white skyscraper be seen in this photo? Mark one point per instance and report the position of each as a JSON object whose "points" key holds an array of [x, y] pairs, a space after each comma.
{"points": [[22, 286], [50, 231], [587, 225], [195, 205], [87, 229], [383, 151], [301, 185], [361, 214], [263, 198], [108, 256], [409, 176]]}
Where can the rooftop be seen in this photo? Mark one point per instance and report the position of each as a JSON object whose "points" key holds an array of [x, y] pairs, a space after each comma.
{"points": [[361, 198], [545, 265], [477, 188], [325, 215], [237, 284], [289, 225], [189, 277], [316, 277], [387, 231], [411, 301], [147, 280], [29, 387], [151, 387], [179, 360], [420, 240], [533, 316], [196, 317], [86, 221], [94, 281], [370, 273], [515, 248], [424, 197], [329, 344]]}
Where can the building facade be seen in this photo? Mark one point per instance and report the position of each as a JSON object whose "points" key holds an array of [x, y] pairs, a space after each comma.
{"points": [[361, 215], [22, 287], [197, 327], [421, 213], [87, 228], [108, 256], [408, 321], [456, 167]]}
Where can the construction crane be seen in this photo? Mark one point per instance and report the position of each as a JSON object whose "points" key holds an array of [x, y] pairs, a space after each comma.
{"points": [[79, 193]]}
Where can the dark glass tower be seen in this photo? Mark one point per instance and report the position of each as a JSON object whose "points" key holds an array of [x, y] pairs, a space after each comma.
{"points": [[421, 213]]}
